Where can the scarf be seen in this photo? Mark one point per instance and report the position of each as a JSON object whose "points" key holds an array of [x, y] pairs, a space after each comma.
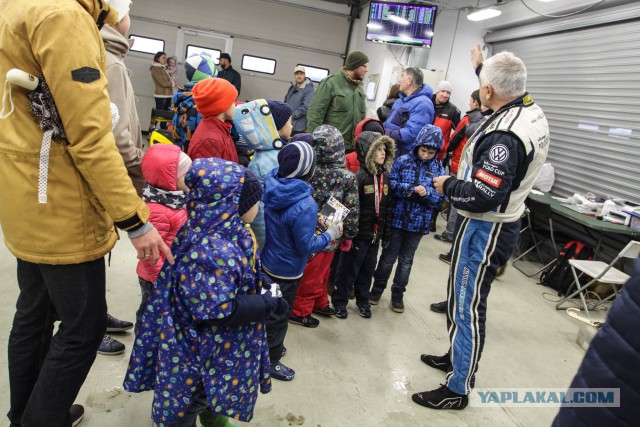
{"points": [[171, 199]]}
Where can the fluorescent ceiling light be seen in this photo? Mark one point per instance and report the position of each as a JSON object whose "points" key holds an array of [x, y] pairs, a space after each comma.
{"points": [[398, 19], [482, 14]]}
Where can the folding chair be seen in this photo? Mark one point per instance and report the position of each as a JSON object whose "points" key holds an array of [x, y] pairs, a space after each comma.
{"points": [[599, 272], [161, 116], [539, 226]]}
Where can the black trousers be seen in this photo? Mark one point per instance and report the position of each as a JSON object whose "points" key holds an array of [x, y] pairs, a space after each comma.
{"points": [[356, 271], [45, 372], [278, 324]]}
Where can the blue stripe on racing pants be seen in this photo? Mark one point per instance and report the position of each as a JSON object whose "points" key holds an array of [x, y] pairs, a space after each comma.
{"points": [[478, 250]]}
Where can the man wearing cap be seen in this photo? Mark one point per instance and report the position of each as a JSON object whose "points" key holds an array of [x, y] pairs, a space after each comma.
{"points": [[61, 235], [447, 115], [228, 73], [299, 97], [339, 100]]}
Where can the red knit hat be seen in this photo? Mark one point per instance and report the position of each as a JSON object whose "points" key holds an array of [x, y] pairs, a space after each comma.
{"points": [[214, 96]]}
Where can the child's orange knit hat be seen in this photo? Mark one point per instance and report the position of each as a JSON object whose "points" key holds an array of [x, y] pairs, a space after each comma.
{"points": [[214, 96]]}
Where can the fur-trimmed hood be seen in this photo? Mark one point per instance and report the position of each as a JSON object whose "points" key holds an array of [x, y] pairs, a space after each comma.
{"points": [[367, 149]]}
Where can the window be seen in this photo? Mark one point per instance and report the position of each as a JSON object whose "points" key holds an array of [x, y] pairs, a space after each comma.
{"points": [[215, 53], [256, 63], [315, 74], [147, 44]]}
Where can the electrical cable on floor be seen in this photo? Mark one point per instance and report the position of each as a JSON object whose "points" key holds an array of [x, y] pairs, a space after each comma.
{"points": [[561, 16]]}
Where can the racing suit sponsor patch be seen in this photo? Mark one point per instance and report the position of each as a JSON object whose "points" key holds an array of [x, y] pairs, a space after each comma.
{"points": [[499, 154], [488, 178]]}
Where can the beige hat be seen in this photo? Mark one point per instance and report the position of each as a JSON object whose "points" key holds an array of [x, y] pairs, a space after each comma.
{"points": [[299, 68]]}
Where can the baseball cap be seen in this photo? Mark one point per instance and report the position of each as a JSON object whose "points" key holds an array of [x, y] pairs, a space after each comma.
{"points": [[298, 68]]}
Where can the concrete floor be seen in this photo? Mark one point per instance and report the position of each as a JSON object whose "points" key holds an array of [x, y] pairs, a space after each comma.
{"points": [[356, 372]]}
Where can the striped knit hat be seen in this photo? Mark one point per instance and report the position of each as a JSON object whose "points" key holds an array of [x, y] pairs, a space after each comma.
{"points": [[296, 160]]}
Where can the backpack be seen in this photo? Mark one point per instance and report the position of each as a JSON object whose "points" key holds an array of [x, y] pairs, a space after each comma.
{"points": [[558, 275]]}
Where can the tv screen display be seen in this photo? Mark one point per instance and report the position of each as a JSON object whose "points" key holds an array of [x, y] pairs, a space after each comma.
{"points": [[401, 23]]}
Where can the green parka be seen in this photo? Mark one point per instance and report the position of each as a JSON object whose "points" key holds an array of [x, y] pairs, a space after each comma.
{"points": [[339, 102]]}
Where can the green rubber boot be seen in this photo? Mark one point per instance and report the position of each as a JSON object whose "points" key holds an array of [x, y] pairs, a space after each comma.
{"points": [[209, 419]]}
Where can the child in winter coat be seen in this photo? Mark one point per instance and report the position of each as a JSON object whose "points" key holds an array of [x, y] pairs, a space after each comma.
{"points": [[164, 167], [201, 342], [375, 153], [411, 182], [215, 100], [369, 124], [265, 158], [331, 179], [290, 216], [187, 117]]}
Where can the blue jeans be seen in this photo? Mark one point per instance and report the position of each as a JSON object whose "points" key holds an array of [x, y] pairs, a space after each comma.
{"points": [[402, 247], [45, 372]]}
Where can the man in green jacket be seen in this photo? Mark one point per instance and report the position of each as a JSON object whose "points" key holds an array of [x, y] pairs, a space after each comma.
{"points": [[339, 100]]}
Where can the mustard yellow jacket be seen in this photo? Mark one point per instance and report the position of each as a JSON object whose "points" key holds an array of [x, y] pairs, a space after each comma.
{"points": [[88, 186]]}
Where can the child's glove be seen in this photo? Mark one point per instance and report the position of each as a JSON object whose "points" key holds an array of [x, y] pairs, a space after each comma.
{"points": [[335, 230], [274, 305], [345, 245]]}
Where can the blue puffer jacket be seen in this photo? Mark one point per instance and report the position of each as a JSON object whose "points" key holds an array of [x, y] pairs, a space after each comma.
{"points": [[412, 212], [408, 115], [612, 362], [290, 216]]}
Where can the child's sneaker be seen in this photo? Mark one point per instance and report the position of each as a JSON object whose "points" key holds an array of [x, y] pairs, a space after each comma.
{"points": [[364, 310], [374, 299], [281, 372], [341, 312], [306, 321], [397, 306], [325, 311]]}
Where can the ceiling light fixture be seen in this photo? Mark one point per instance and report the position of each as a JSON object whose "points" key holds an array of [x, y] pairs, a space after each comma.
{"points": [[482, 14]]}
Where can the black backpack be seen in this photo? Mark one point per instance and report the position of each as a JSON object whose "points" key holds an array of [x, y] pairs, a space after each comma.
{"points": [[558, 275]]}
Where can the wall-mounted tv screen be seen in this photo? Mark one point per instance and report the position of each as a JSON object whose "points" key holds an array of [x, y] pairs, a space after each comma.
{"points": [[401, 23]]}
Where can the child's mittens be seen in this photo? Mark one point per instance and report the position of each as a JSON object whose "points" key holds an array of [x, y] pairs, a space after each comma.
{"points": [[335, 230], [345, 245], [274, 305]]}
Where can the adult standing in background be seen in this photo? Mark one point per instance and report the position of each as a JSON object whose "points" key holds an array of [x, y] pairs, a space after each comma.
{"points": [[496, 172], [162, 80], [447, 118], [384, 110], [128, 137], [410, 112], [228, 73], [339, 100], [60, 236], [447, 115], [299, 97]]}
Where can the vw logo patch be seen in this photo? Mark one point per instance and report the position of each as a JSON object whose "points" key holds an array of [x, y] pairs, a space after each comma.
{"points": [[499, 154]]}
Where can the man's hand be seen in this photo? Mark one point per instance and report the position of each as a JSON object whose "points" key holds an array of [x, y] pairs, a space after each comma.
{"points": [[438, 183], [420, 190], [149, 246], [476, 56]]}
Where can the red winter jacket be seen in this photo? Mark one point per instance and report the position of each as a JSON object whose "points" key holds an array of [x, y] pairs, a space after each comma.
{"points": [[212, 138], [352, 162], [447, 118], [160, 169]]}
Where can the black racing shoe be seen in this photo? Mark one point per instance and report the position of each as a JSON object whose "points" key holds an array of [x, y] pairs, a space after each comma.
{"points": [[439, 307], [110, 347], [76, 412], [439, 362], [441, 398], [445, 257], [116, 325]]}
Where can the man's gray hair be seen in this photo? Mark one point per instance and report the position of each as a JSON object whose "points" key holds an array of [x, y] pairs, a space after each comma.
{"points": [[416, 75], [506, 73]]}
